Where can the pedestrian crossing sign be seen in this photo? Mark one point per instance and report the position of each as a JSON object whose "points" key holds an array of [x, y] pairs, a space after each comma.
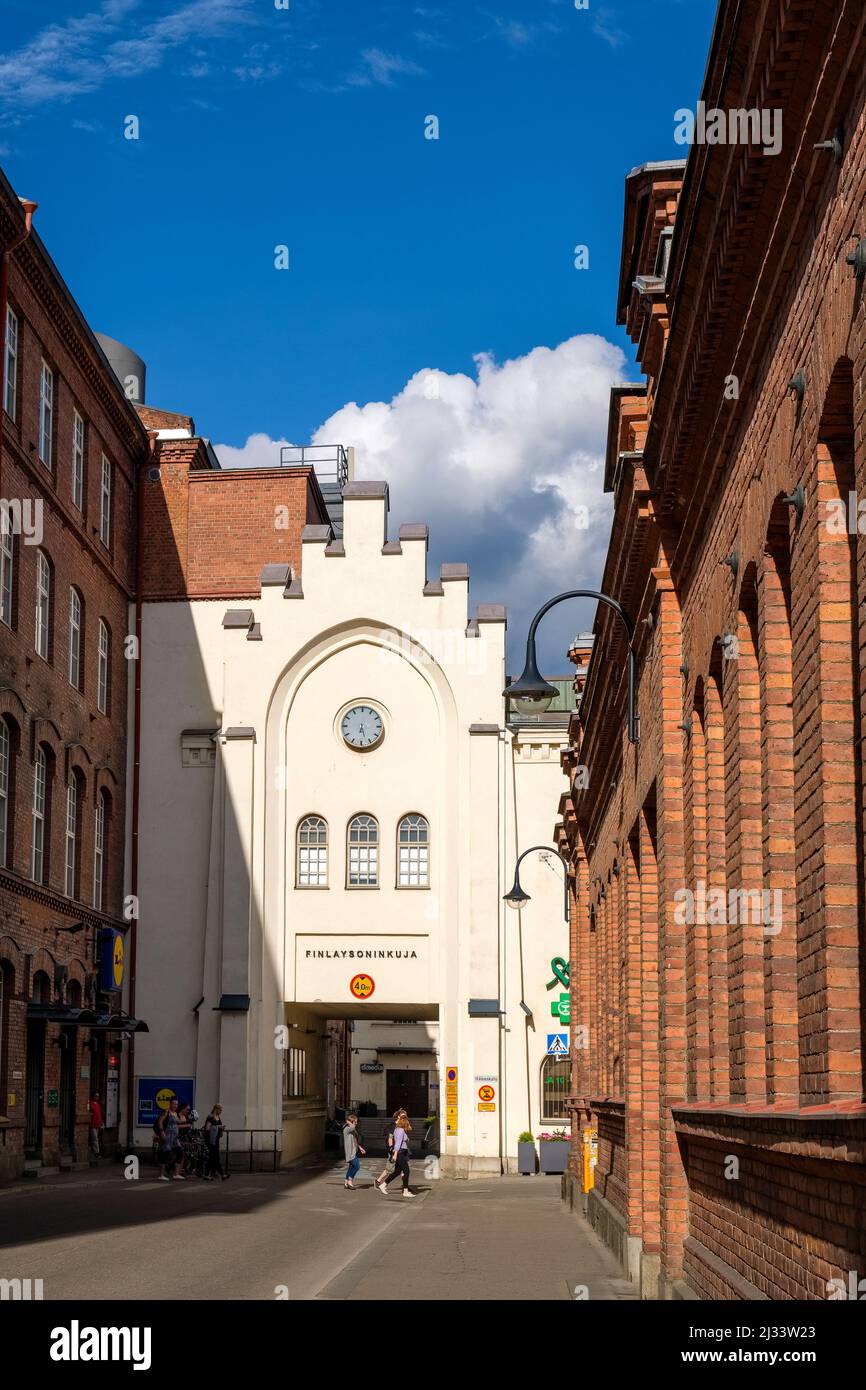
{"points": [[557, 1044]]}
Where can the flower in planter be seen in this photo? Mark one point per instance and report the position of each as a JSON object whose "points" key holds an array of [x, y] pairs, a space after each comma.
{"points": [[525, 1138], [558, 1136]]}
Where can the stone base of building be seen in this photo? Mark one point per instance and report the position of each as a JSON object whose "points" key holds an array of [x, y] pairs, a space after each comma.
{"points": [[610, 1225], [470, 1166]]}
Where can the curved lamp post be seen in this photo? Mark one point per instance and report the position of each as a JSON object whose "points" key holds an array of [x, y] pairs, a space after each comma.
{"points": [[532, 694], [516, 897]]}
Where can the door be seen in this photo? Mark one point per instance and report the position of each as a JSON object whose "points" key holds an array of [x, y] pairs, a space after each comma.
{"points": [[34, 1094], [406, 1090], [68, 1067]]}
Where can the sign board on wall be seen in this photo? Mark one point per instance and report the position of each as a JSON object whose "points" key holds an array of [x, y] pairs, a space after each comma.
{"points": [[336, 968], [111, 959], [156, 1092], [450, 1100]]}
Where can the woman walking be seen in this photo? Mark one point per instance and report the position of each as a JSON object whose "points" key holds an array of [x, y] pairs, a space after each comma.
{"points": [[213, 1133], [352, 1149], [388, 1136], [400, 1150]]}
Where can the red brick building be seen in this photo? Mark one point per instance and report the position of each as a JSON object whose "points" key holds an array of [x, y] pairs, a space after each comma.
{"points": [[718, 962], [71, 445]]}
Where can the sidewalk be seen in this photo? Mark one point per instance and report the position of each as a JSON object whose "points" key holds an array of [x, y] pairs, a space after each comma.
{"points": [[507, 1238]]}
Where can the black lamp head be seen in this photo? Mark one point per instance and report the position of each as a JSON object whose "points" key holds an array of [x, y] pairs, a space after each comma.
{"points": [[516, 897], [531, 693]]}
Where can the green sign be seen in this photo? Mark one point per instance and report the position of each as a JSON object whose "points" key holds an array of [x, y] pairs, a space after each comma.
{"points": [[560, 973], [52, 1097], [561, 1008]]}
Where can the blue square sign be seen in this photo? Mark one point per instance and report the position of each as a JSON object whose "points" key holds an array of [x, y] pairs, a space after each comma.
{"points": [[557, 1044]]}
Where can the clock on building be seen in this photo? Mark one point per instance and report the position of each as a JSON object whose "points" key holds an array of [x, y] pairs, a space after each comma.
{"points": [[362, 727]]}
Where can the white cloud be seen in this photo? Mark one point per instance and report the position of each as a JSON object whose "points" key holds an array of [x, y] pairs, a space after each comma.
{"points": [[506, 467], [381, 68], [67, 59]]}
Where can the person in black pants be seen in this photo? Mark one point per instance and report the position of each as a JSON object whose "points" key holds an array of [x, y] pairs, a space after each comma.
{"points": [[213, 1132], [400, 1150]]}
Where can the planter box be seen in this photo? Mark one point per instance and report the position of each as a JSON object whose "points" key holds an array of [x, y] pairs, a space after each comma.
{"points": [[554, 1155], [527, 1160]]}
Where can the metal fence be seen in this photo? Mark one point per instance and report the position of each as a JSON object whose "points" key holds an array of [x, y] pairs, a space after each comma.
{"points": [[247, 1157]]}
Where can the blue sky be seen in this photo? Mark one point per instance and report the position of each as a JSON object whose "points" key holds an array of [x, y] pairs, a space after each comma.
{"points": [[262, 126]]}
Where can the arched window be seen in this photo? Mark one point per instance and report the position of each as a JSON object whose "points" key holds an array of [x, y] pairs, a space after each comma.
{"points": [[312, 853], [100, 849], [103, 668], [76, 620], [6, 818], [555, 1086], [413, 852], [73, 994], [7, 565], [363, 852], [74, 805], [40, 808], [41, 988], [43, 605]]}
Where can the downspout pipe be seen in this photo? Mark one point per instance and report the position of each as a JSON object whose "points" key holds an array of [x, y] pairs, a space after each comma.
{"points": [[29, 208], [146, 462]]}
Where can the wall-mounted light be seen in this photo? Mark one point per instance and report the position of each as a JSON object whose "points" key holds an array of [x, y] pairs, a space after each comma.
{"points": [[686, 726], [684, 670], [835, 145], [733, 562], [797, 500], [797, 384], [857, 258]]}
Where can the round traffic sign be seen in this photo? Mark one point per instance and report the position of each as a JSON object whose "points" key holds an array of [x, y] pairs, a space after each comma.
{"points": [[486, 1093], [362, 986]]}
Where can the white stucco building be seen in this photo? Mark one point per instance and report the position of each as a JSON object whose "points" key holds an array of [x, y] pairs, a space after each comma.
{"points": [[332, 802]]}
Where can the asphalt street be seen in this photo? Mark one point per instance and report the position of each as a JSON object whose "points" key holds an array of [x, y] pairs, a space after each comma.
{"points": [[300, 1235]]}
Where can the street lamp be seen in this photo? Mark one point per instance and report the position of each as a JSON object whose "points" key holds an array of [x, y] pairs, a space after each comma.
{"points": [[516, 897], [532, 694]]}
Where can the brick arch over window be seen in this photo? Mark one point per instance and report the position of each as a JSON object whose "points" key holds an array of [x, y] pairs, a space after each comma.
{"points": [[11, 951], [744, 837], [695, 854], [42, 961], [777, 792]]}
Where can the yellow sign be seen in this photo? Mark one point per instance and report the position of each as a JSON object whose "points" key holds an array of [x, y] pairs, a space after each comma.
{"points": [[11, 1100], [117, 964], [589, 1155], [451, 1077], [486, 1105]]}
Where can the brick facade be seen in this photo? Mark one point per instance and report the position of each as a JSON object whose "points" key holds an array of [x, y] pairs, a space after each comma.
{"points": [[42, 961], [724, 1064]]}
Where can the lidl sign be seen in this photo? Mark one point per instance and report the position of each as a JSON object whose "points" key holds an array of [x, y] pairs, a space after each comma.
{"points": [[111, 959]]}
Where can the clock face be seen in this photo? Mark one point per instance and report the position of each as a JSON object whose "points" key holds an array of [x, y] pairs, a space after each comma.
{"points": [[362, 727]]}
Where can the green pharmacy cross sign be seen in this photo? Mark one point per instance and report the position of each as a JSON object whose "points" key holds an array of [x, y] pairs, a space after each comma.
{"points": [[560, 1008]]}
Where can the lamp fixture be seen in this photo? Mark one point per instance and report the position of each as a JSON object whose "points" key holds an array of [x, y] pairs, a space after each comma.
{"points": [[797, 384], [797, 500], [857, 258]]}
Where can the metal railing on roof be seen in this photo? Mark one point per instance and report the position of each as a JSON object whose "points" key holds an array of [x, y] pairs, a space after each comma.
{"points": [[329, 461]]}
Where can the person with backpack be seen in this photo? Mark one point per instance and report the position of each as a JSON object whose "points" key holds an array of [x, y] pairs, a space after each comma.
{"points": [[213, 1133], [402, 1130], [166, 1129], [352, 1150]]}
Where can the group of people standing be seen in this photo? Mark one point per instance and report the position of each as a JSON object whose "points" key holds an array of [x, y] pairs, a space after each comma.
{"points": [[177, 1156], [396, 1138]]}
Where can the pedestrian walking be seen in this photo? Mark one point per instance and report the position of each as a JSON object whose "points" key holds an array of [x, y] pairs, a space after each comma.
{"points": [[352, 1149], [213, 1133], [169, 1149], [388, 1136], [402, 1130], [97, 1122]]}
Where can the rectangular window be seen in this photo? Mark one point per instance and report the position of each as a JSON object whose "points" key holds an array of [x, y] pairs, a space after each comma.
{"points": [[40, 775], [102, 668], [71, 833], [43, 605], [105, 505], [74, 639], [10, 369], [294, 1073], [78, 461], [46, 413], [7, 564], [99, 855], [363, 853]]}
